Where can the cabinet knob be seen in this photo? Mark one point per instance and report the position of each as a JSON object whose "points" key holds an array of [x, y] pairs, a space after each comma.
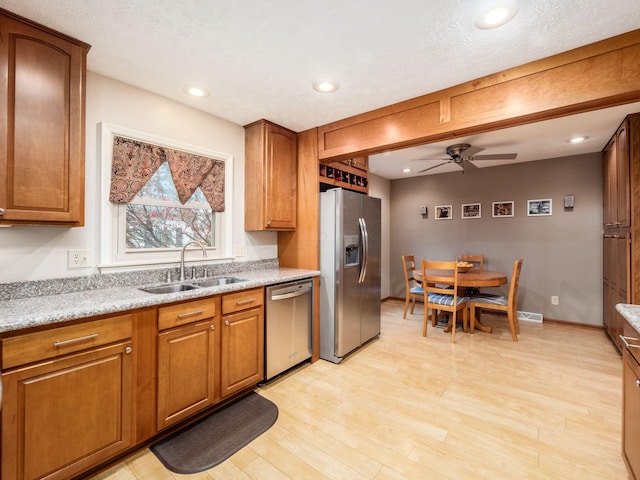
{"points": [[128, 350], [226, 322], [637, 383], [269, 223], [213, 327], [1, 211]]}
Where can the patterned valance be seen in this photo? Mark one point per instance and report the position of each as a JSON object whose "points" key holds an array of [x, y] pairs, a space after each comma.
{"points": [[135, 162]]}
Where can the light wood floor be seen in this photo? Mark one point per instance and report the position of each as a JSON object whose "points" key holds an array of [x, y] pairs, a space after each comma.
{"points": [[408, 407]]}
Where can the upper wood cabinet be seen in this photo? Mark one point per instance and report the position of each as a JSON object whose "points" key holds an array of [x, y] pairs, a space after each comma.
{"points": [[42, 100], [270, 177], [616, 187]]}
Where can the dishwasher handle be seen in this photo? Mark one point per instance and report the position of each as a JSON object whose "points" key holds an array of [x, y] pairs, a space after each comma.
{"points": [[297, 293]]}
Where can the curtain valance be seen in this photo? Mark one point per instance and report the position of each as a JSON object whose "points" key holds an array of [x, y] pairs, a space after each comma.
{"points": [[135, 162]]}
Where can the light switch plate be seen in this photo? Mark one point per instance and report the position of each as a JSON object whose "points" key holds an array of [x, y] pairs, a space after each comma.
{"points": [[238, 250]]}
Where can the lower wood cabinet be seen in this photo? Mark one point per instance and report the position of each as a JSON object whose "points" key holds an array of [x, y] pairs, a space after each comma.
{"points": [[631, 415], [188, 361], [64, 415], [242, 348]]}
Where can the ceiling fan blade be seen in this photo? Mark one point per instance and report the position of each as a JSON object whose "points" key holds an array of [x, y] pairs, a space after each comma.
{"points": [[435, 166], [499, 156], [428, 159], [467, 164], [471, 151]]}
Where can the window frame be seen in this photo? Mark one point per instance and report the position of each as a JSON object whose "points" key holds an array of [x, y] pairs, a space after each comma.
{"points": [[112, 216]]}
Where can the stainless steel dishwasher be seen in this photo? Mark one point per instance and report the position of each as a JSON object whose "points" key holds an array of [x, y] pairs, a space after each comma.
{"points": [[289, 315]]}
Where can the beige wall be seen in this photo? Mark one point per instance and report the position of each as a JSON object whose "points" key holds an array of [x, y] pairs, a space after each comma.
{"points": [[34, 253], [562, 253]]}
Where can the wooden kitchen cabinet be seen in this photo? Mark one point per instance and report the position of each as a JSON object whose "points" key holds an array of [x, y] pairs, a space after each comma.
{"points": [[69, 408], [631, 411], [188, 359], [270, 177], [242, 350], [621, 196], [42, 121]]}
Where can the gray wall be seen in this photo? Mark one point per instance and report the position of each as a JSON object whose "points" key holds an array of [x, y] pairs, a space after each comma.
{"points": [[562, 253]]}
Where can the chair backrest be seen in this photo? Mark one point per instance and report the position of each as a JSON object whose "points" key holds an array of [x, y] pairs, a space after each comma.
{"points": [[408, 265], [432, 273], [477, 260], [515, 280]]}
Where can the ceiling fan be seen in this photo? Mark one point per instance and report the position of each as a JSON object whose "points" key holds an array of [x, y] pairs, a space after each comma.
{"points": [[462, 154]]}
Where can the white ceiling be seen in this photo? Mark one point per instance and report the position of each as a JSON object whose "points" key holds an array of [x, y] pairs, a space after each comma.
{"points": [[259, 58]]}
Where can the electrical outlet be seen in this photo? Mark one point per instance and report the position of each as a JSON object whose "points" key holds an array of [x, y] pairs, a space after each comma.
{"points": [[79, 259], [238, 250], [555, 300]]}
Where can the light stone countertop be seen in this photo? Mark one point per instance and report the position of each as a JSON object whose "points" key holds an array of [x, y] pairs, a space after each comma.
{"points": [[36, 311], [631, 313]]}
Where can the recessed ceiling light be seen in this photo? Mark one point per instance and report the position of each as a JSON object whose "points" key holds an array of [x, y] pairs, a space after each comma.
{"points": [[325, 86], [406, 170], [577, 139], [496, 14], [197, 91]]}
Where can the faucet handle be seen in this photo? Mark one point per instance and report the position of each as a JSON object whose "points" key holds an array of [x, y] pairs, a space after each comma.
{"points": [[169, 277], [193, 273]]}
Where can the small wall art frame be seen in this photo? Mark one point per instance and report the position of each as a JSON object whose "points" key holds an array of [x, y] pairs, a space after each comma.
{"points": [[502, 209], [471, 210], [444, 212], [539, 207]]}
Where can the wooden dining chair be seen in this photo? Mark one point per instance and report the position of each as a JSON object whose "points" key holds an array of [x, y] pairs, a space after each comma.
{"points": [[500, 303], [477, 260], [413, 288], [441, 297]]}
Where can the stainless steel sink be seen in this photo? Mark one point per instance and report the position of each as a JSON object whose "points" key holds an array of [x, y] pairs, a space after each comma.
{"points": [[180, 287], [214, 282]]}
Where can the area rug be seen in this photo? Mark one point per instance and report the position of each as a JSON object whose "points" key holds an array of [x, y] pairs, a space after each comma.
{"points": [[218, 436]]}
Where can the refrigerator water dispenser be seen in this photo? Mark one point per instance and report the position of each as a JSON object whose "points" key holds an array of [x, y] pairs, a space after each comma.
{"points": [[351, 251]]}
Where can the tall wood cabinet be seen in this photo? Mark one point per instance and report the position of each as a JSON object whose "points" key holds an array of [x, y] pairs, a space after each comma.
{"points": [[42, 103], [621, 192], [270, 177]]}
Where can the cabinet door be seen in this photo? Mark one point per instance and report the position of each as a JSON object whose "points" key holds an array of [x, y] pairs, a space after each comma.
{"points": [[64, 416], [631, 415], [610, 184], [41, 126], [242, 350], [187, 371], [623, 187], [270, 177]]}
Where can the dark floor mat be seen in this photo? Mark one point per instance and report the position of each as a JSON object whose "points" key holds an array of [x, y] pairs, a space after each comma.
{"points": [[218, 436]]}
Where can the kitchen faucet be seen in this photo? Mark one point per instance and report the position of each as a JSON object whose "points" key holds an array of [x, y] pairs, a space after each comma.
{"points": [[204, 255]]}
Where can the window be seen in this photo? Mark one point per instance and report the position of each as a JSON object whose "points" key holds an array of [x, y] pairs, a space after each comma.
{"points": [[152, 227]]}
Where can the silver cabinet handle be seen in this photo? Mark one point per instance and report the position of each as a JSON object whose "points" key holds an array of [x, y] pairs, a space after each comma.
{"points": [[244, 302], [190, 314], [1, 211], [213, 327], [128, 350], [61, 343], [226, 322]]}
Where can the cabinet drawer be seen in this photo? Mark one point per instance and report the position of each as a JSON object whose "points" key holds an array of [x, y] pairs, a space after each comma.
{"points": [[60, 341], [184, 313], [234, 302]]}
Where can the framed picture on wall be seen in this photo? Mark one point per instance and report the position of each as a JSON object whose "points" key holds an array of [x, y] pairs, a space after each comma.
{"points": [[502, 209], [444, 212], [540, 207], [471, 210]]}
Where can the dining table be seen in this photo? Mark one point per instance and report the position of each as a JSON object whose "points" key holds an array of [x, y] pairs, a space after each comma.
{"points": [[474, 278]]}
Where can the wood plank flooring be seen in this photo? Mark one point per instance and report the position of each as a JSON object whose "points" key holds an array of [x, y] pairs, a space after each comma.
{"points": [[408, 407]]}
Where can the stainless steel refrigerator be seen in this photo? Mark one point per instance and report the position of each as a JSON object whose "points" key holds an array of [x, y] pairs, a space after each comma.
{"points": [[350, 272]]}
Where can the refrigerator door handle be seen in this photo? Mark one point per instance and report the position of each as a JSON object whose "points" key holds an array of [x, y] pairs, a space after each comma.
{"points": [[365, 249]]}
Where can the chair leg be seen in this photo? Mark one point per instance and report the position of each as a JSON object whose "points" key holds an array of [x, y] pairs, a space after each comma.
{"points": [[454, 320], [465, 320], [512, 325], [406, 306], [472, 320], [426, 320], [413, 304], [515, 320], [434, 317]]}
